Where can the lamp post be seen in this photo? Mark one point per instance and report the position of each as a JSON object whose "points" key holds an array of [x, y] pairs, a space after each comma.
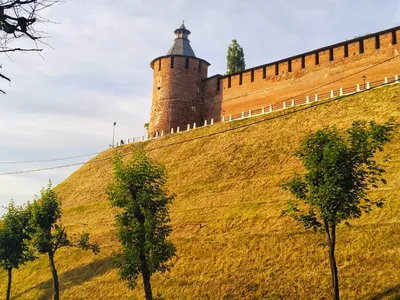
{"points": [[115, 123], [364, 78]]}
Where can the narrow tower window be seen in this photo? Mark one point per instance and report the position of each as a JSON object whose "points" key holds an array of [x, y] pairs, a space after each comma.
{"points": [[229, 82], [394, 37], [172, 62], [276, 69], [331, 54], [346, 50], [361, 44], [187, 63], [303, 62], [252, 75], [240, 78], [289, 65], [316, 58], [199, 65], [159, 65], [218, 84], [264, 72], [377, 42]]}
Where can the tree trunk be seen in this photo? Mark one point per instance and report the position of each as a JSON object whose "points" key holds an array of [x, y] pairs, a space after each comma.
{"points": [[9, 271], [146, 282], [56, 286], [332, 262]]}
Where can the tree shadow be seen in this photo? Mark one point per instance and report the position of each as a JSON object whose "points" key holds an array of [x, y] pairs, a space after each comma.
{"points": [[393, 291], [73, 277]]}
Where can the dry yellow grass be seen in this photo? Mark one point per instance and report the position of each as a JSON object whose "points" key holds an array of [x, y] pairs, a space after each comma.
{"points": [[230, 183]]}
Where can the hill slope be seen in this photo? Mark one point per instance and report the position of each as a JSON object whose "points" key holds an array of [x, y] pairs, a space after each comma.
{"points": [[230, 183]]}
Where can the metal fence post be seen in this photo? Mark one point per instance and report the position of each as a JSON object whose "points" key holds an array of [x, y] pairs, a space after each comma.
{"points": [[263, 110], [212, 121], [284, 104], [332, 94], [368, 85], [205, 122], [188, 127], [172, 131], [341, 92], [194, 125], [358, 87], [177, 129], [250, 113], [308, 99], [292, 102]]}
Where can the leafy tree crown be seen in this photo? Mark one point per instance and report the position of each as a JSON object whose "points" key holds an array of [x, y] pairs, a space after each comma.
{"points": [[48, 232], [142, 222], [235, 59], [341, 169], [15, 238]]}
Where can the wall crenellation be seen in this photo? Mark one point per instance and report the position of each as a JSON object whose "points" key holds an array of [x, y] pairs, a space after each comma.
{"points": [[359, 45], [184, 94]]}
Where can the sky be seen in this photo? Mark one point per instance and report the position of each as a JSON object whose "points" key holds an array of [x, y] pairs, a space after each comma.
{"points": [[63, 102]]}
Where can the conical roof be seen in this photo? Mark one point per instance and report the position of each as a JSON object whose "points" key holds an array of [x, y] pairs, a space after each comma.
{"points": [[181, 44]]}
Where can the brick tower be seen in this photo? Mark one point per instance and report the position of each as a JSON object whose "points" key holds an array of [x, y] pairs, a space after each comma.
{"points": [[177, 86]]}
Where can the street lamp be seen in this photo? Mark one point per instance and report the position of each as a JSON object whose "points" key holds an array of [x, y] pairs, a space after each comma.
{"points": [[364, 78], [115, 123]]}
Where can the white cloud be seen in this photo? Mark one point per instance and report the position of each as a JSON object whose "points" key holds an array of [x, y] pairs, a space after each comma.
{"points": [[65, 104]]}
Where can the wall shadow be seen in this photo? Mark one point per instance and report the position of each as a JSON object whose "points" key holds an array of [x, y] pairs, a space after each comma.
{"points": [[393, 291], [71, 278]]}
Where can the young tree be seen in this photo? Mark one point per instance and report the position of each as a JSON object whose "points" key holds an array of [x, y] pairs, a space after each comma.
{"points": [[14, 241], [340, 171], [142, 223], [49, 234], [235, 58], [18, 19]]}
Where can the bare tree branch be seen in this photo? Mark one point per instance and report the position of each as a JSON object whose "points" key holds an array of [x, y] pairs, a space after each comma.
{"points": [[19, 49], [5, 77], [18, 19]]}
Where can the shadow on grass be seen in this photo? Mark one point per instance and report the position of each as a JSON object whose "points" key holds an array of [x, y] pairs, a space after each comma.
{"points": [[72, 278], [394, 291]]}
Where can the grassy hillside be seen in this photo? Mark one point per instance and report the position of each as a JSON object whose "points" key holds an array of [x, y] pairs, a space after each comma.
{"points": [[230, 184]]}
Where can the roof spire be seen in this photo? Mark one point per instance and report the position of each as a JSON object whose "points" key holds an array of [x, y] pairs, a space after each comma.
{"points": [[181, 44]]}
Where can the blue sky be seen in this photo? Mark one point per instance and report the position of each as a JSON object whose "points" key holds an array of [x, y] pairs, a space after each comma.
{"points": [[64, 104]]}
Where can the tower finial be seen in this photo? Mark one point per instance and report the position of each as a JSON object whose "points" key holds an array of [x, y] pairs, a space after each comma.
{"points": [[181, 44]]}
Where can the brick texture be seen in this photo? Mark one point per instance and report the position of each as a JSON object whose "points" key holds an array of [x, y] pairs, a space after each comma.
{"points": [[183, 96], [177, 93]]}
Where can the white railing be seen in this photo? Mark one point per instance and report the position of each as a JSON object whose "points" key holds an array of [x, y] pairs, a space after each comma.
{"points": [[286, 104]]}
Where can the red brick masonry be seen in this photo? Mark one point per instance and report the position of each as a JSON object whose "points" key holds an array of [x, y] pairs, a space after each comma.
{"points": [[182, 93]]}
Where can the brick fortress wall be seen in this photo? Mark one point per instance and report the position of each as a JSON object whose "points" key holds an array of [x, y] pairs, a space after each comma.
{"points": [[319, 71]]}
